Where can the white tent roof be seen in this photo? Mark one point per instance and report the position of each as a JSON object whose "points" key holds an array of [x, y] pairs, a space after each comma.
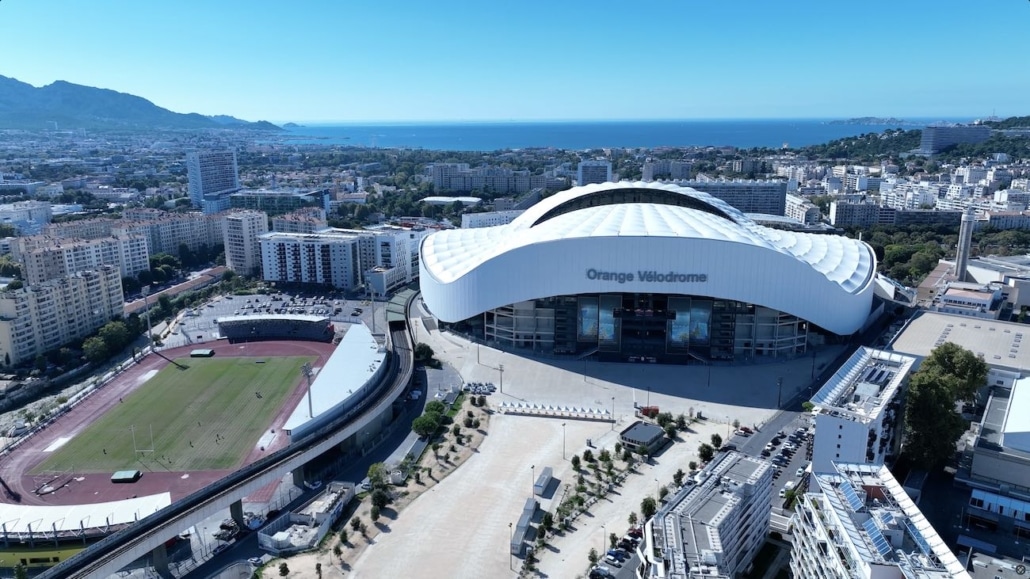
{"points": [[45, 519]]}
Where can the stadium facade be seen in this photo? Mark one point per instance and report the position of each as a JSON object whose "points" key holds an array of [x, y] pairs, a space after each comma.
{"points": [[646, 272]]}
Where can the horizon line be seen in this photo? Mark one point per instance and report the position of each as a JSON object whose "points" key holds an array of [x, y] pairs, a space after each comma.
{"points": [[337, 122]]}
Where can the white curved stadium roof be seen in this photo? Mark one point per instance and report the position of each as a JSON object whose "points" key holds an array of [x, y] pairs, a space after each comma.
{"points": [[626, 227]]}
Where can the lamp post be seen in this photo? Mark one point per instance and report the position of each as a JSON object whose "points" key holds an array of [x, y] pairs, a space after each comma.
{"points": [[779, 391], [532, 480], [511, 539], [145, 290], [613, 413], [500, 368], [657, 490], [563, 441], [604, 540]]}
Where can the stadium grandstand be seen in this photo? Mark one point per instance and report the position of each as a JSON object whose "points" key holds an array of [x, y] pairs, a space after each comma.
{"points": [[276, 327]]}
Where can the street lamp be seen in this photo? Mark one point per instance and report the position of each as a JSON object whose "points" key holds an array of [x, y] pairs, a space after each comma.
{"points": [[511, 539], [657, 490], [604, 540], [563, 441], [532, 481], [500, 368], [613, 413]]}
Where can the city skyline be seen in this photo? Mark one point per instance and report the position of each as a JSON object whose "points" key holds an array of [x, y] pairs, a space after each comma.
{"points": [[405, 62]]}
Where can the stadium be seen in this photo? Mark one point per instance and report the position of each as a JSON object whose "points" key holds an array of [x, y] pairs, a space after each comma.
{"points": [[174, 423], [646, 272]]}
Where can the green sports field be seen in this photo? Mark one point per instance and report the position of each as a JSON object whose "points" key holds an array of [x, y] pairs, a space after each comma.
{"points": [[206, 417]]}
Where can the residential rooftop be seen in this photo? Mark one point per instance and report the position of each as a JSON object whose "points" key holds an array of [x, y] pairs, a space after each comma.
{"points": [[883, 524], [864, 385], [690, 522]]}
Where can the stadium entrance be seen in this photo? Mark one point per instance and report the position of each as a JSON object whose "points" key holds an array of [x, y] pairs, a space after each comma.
{"points": [[643, 327]]}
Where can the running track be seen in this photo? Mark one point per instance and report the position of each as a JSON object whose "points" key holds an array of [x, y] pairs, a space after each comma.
{"points": [[86, 488]]}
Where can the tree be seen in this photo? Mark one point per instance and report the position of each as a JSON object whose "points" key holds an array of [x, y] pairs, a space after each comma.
{"points": [[424, 425], [337, 551], [374, 513], [670, 430], [115, 334], [377, 476], [284, 569], [681, 421], [547, 522], [632, 519], [663, 492], [423, 351], [618, 448], [575, 462], [588, 456], [705, 452], [677, 477], [380, 498], [604, 456], [932, 425], [692, 465], [20, 572], [592, 557], [648, 507], [968, 370], [355, 524], [613, 540], [41, 363], [343, 536], [318, 570], [435, 407], [716, 440], [95, 349]]}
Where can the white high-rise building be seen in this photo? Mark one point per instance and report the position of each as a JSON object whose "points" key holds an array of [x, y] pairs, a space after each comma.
{"points": [[749, 196], [857, 522], [213, 175], [802, 209], [858, 416], [242, 249], [43, 317], [593, 172], [714, 528]]}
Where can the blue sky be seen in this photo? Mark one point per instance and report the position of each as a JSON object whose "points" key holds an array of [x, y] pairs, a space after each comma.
{"points": [[392, 60]]}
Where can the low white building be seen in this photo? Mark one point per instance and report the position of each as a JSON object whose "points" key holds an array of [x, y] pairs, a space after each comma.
{"points": [[488, 219], [858, 410], [713, 528], [858, 523]]}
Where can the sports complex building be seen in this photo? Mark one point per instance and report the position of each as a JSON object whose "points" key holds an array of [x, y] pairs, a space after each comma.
{"points": [[646, 272]]}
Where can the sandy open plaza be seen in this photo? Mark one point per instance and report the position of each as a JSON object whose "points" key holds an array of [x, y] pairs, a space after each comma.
{"points": [[460, 528]]}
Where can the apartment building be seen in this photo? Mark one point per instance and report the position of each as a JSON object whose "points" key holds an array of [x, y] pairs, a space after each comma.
{"points": [[593, 172], [858, 523], [168, 232], [306, 220], [81, 229], [383, 258], [937, 138], [767, 197], [47, 258], [242, 249], [212, 175], [43, 317], [802, 209], [858, 410], [714, 526], [459, 177], [279, 201], [316, 258], [664, 168]]}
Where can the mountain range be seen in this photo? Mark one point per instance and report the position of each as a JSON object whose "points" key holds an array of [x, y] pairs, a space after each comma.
{"points": [[74, 106]]}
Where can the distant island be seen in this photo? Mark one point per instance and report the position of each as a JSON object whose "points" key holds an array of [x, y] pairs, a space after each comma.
{"points": [[876, 121], [293, 126]]}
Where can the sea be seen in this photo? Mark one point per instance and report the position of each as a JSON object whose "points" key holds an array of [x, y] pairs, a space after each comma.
{"points": [[579, 135]]}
